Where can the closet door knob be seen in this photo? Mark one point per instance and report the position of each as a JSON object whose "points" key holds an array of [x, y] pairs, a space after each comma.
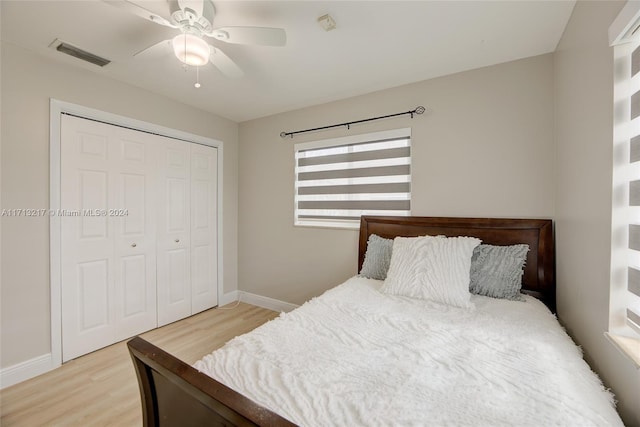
{"points": [[133, 245], [177, 240]]}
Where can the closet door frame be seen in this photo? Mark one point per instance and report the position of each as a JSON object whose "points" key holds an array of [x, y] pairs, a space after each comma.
{"points": [[56, 109]]}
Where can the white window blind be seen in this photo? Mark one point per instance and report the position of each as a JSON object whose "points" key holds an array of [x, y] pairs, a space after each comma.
{"points": [[633, 174], [338, 180], [625, 255]]}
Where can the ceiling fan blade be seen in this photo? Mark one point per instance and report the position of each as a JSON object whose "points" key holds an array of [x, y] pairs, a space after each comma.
{"points": [[224, 63], [140, 11], [154, 51], [251, 35]]}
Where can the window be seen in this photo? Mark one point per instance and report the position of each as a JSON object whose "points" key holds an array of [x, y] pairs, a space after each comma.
{"points": [[624, 316], [338, 180]]}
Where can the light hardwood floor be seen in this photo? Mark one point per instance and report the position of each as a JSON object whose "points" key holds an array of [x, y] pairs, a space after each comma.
{"points": [[101, 388]]}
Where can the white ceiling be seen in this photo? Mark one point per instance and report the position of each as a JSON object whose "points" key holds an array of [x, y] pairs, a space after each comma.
{"points": [[377, 45]]}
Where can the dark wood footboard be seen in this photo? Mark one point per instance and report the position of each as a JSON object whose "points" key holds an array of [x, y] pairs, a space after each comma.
{"points": [[175, 394]]}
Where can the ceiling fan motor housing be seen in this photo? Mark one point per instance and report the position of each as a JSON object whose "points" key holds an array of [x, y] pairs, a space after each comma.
{"points": [[193, 15]]}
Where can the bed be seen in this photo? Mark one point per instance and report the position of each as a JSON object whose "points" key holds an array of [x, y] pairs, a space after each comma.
{"points": [[432, 364]]}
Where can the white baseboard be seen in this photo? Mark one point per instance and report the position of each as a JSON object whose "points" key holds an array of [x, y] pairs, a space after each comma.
{"points": [[228, 298], [25, 370], [266, 302]]}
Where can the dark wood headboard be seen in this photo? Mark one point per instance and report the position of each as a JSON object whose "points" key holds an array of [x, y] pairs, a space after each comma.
{"points": [[539, 271]]}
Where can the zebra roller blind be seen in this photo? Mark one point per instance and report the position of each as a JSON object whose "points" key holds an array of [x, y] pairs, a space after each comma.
{"points": [[338, 180], [631, 172]]}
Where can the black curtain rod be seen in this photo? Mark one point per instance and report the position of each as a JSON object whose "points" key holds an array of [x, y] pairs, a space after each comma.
{"points": [[418, 110]]}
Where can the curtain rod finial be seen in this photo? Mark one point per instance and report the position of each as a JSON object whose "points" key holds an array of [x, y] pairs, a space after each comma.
{"points": [[283, 134]]}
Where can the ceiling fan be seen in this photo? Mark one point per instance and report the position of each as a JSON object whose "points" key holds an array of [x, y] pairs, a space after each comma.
{"points": [[194, 19]]}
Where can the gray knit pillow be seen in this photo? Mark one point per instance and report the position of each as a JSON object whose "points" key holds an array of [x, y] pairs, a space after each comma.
{"points": [[496, 271], [377, 258]]}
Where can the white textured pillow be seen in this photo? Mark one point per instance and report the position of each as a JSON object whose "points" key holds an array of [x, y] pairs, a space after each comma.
{"points": [[433, 268]]}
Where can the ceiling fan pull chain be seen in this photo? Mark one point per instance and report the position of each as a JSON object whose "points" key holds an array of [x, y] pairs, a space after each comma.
{"points": [[197, 85], [185, 48]]}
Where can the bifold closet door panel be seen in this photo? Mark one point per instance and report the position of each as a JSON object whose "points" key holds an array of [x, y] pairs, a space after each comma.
{"points": [[174, 204], [204, 227], [135, 230], [107, 285], [87, 244]]}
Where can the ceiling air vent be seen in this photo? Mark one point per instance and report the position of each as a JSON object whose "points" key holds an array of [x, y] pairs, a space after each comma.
{"points": [[63, 47]]}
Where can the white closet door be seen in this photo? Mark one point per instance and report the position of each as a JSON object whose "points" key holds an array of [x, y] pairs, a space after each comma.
{"points": [[108, 290], [87, 182], [174, 261], [135, 233], [204, 227]]}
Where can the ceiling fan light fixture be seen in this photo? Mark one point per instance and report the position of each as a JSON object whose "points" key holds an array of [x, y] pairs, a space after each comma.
{"points": [[191, 49]]}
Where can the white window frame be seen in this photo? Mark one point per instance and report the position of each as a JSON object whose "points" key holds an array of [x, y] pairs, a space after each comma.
{"points": [[343, 141]]}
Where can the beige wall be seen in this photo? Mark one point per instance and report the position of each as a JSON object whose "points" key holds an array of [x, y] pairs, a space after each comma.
{"points": [[485, 148], [584, 139], [28, 81]]}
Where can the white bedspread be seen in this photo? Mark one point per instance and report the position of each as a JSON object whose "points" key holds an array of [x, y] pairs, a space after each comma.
{"points": [[356, 357]]}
